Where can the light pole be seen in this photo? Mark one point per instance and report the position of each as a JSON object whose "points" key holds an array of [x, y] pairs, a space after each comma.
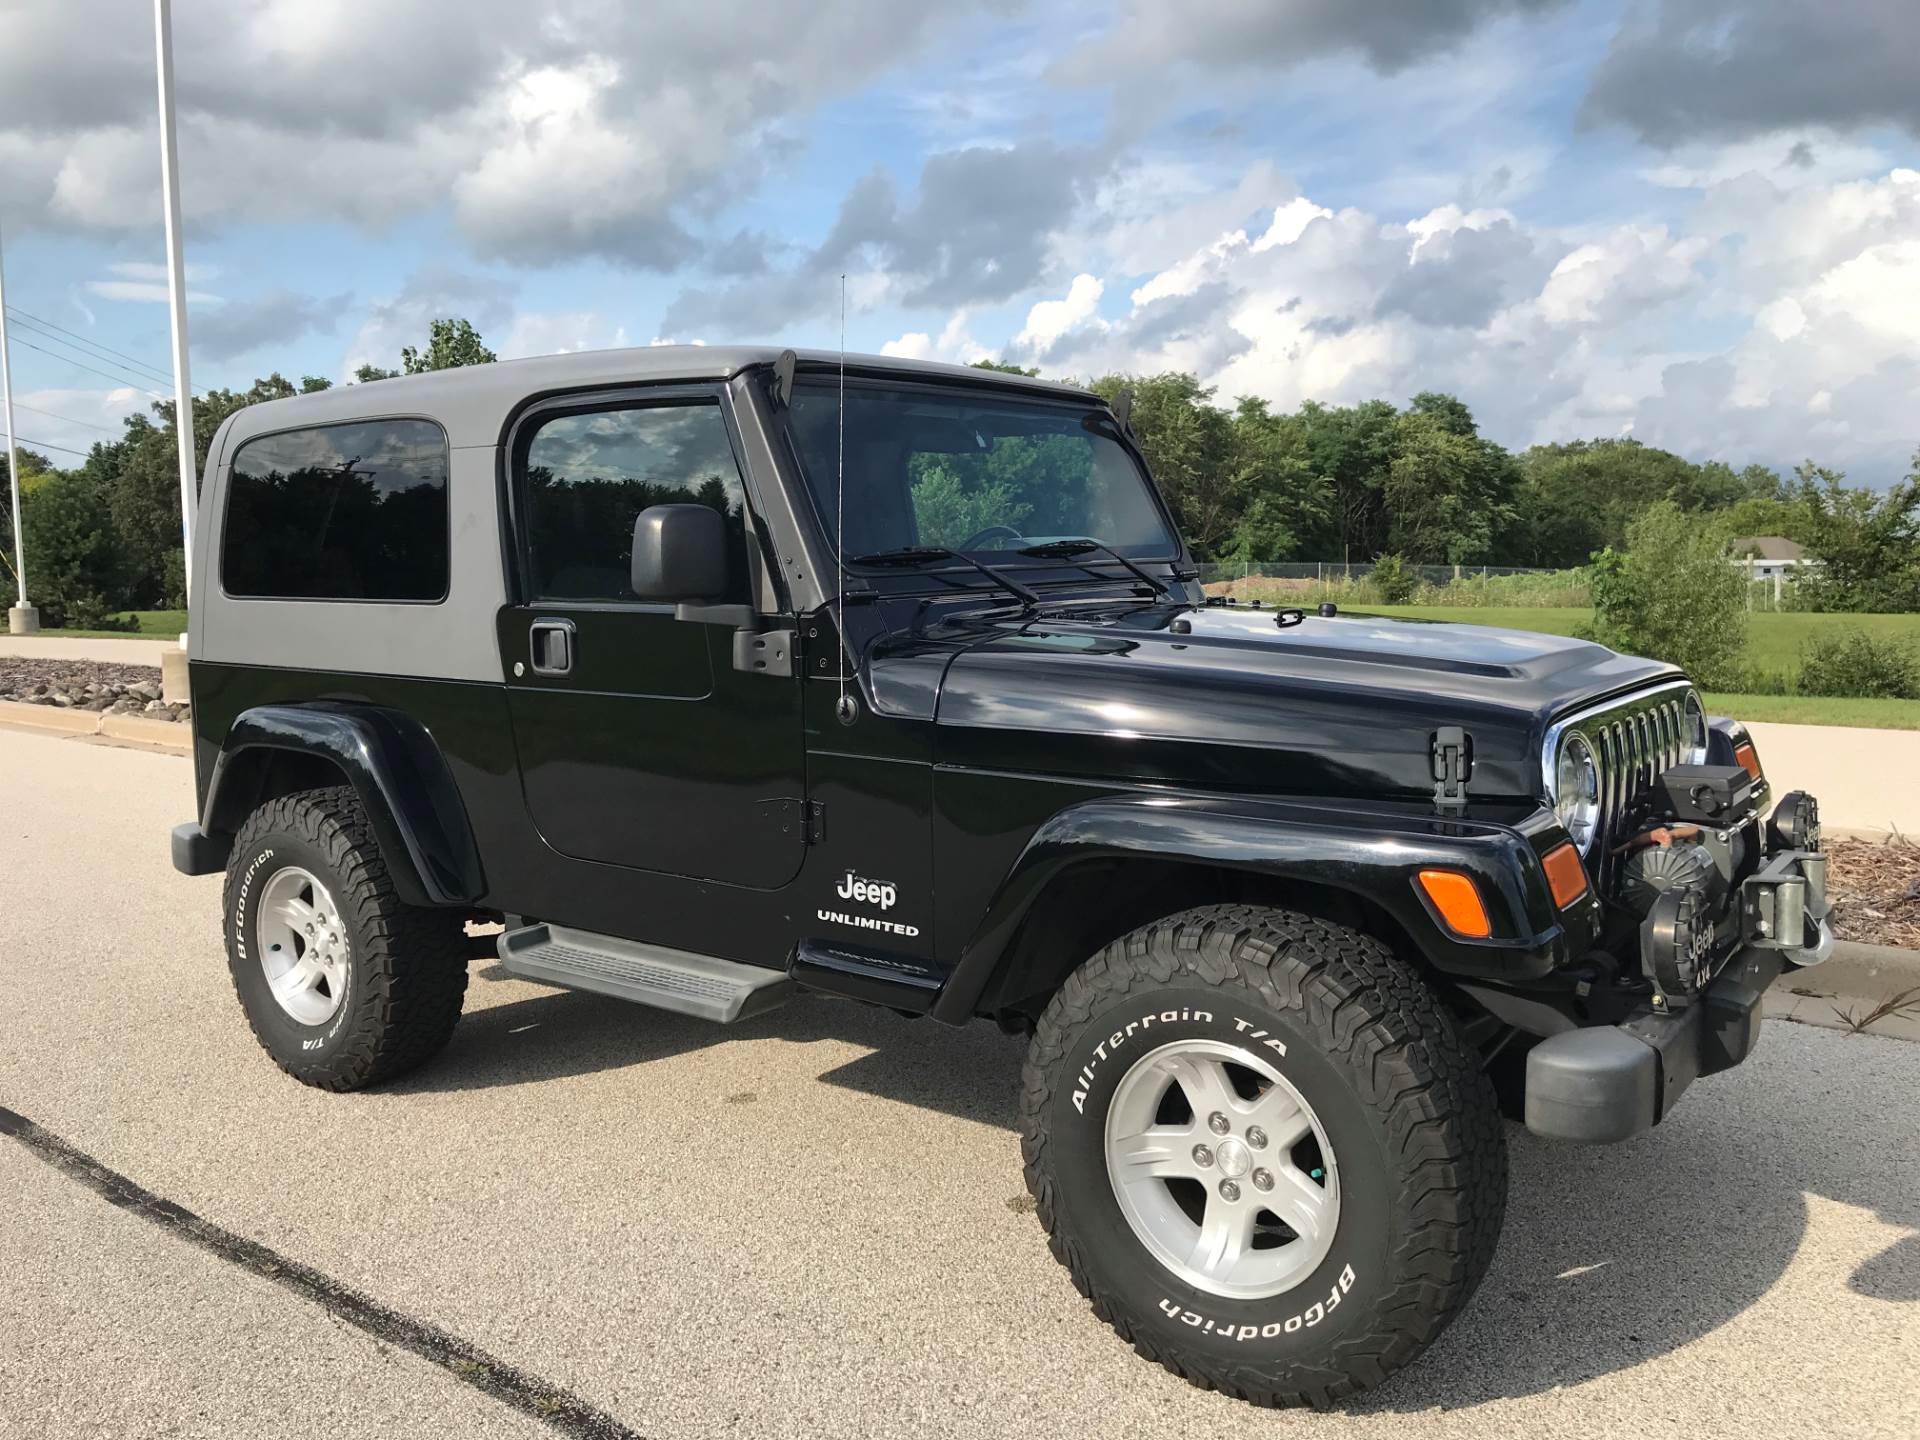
{"points": [[22, 619], [176, 279]]}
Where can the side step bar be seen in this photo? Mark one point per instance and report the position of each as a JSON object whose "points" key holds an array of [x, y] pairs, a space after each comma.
{"points": [[676, 980]]}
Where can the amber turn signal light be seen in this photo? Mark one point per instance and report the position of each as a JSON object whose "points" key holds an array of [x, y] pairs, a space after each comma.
{"points": [[1457, 899], [1566, 876], [1745, 756]]}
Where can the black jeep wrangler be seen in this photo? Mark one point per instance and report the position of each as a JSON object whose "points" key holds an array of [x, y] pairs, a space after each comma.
{"points": [[718, 674]]}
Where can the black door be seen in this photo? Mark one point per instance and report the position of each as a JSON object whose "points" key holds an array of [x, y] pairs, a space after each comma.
{"points": [[639, 743]]}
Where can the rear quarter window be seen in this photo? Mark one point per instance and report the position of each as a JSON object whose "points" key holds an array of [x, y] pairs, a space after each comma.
{"points": [[339, 512]]}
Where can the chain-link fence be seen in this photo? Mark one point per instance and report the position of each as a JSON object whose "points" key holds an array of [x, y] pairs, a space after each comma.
{"points": [[1307, 580]]}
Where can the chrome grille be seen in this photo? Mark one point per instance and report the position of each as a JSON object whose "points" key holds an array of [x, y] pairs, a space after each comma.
{"points": [[1634, 740]]}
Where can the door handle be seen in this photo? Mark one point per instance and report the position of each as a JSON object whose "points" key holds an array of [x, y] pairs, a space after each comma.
{"points": [[550, 645]]}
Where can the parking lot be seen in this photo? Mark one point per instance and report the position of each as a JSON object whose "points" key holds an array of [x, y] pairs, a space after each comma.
{"points": [[593, 1217]]}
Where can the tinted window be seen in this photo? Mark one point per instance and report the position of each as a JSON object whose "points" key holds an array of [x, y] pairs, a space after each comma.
{"points": [[966, 471], [589, 475], [339, 512]]}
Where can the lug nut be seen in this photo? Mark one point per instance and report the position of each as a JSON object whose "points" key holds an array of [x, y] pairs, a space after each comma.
{"points": [[1229, 1190], [1217, 1123], [1202, 1155], [1263, 1180], [1257, 1138]]}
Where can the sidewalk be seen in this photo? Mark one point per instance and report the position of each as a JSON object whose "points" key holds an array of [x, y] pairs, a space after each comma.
{"points": [[115, 650]]}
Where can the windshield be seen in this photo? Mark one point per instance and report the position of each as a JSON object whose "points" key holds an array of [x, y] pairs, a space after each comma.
{"points": [[973, 472]]}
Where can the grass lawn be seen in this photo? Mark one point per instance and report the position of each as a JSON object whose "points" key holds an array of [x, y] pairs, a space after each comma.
{"points": [[1817, 710], [154, 625], [1774, 643]]}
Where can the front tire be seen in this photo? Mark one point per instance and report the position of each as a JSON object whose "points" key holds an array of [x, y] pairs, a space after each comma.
{"points": [[344, 984], [1262, 1150]]}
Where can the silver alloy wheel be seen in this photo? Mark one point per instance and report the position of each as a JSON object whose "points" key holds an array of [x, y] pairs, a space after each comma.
{"points": [[303, 947], [1268, 1202]]}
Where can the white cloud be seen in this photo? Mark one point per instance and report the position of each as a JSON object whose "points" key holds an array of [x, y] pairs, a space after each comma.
{"points": [[536, 332], [560, 129], [1048, 320], [954, 344], [146, 291], [1551, 334]]}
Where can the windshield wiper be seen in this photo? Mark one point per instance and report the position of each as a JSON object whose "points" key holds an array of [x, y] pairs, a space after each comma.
{"points": [[1068, 549], [925, 554]]}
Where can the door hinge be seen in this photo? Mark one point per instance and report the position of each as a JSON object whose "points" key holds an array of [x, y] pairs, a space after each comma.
{"points": [[1452, 767], [765, 652], [805, 818]]}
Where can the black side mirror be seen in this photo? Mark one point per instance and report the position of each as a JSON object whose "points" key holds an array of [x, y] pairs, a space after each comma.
{"points": [[679, 553]]}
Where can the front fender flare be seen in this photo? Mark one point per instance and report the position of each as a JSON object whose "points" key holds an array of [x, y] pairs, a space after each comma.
{"points": [[1370, 851], [393, 765]]}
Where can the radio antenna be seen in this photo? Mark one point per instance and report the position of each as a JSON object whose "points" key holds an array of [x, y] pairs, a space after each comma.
{"points": [[846, 710]]}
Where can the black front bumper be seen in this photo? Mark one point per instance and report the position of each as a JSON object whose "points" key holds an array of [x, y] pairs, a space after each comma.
{"points": [[1610, 1082], [1614, 1081]]}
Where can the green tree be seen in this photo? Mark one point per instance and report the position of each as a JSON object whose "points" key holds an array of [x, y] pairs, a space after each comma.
{"points": [[1673, 596], [1187, 442], [34, 468], [373, 372], [1448, 492], [1284, 503], [1352, 448], [450, 344], [1580, 496], [1866, 544], [74, 565]]}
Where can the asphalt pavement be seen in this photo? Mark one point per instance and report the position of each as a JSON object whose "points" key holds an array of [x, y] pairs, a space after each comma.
{"points": [[588, 1214]]}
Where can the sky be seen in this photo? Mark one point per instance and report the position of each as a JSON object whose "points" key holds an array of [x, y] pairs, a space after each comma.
{"points": [[1695, 222]]}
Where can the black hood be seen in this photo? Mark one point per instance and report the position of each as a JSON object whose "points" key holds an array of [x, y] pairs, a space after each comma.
{"points": [[1228, 697]]}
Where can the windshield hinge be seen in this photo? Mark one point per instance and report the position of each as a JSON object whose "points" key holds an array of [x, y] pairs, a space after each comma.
{"points": [[1452, 767]]}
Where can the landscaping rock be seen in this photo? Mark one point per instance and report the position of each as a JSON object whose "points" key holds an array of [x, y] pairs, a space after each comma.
{"points": [[87, 685]]}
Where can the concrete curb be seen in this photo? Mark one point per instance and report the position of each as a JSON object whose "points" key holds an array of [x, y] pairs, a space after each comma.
{"points": [[1852, 982], [166, 735]]}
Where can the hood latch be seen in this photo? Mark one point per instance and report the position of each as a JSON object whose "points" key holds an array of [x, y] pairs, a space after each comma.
{"points": [[1452, 767]]}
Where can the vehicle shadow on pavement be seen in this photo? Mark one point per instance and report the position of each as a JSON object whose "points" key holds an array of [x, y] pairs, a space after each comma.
{"points": [[972, 1073], [1610, 1256]]}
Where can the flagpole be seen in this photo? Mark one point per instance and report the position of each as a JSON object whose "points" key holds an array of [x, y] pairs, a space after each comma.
{"points": [[22, 619], [176, 280]]}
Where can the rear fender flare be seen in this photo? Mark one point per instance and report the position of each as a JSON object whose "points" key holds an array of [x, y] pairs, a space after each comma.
{"points": [[393, 765], [1374, 855]]}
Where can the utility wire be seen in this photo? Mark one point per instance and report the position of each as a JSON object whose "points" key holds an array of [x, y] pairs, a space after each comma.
{"points": [[91, 344], [55, 415], [69, 360], [131, 375], [21, 442]]}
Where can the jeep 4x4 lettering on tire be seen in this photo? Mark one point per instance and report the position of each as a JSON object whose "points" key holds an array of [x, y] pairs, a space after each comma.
{"points": [[717, 674]]}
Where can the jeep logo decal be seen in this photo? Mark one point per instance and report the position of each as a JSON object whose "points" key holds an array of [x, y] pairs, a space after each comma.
{"points": [[867, 892]]}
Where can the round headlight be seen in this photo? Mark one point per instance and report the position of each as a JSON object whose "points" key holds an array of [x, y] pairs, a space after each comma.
{"points": [[1576, 791], [1694, 718]]}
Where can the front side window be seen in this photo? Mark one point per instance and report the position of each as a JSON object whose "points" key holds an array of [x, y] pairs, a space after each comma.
{"points": [[339, 512], [587, 476], [972, 472]]}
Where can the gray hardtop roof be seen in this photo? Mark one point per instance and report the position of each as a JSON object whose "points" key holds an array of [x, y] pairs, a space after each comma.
{"points": [[471, 401]]}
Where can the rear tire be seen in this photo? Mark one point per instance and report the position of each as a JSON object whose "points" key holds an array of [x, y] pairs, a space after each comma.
{"points": [[1386, 1168], [344, 984]]}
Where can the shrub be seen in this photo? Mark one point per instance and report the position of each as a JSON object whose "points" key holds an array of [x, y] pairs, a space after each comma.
{"points": [[1390, 580], [1853, 662], [1672, 596]]}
